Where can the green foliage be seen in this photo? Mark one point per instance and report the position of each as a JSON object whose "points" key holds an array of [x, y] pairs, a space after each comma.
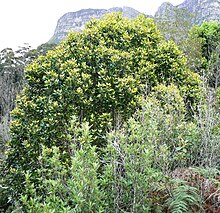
{"points": [[12, 64], [3, 195], [208, 35], [207, 121], [70, 186], [210, 173], [100, 73], [209, 32], [175, 139], [218, 97], [58, 192], [170, 135], [98, 76], [128, 176], [32, 54], [184, 198], [169, 99]]}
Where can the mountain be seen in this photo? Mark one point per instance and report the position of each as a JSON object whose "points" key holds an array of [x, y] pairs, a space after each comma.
{"points": [[76, 21], [196, 12], [202, 10]]}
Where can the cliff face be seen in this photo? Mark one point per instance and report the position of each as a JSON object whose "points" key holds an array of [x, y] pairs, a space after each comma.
{"points": [[75, 21], [202, 10], [165, 8]]}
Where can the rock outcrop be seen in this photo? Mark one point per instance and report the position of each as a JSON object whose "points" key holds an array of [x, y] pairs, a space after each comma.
{"points": [[76, 21], [202, 10]]}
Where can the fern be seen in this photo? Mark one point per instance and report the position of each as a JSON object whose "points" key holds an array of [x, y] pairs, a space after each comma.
{"points": [[184, 198]]}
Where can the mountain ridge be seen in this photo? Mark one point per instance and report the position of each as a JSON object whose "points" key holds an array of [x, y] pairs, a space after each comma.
{"points": [[76, 21], [203, 10]]}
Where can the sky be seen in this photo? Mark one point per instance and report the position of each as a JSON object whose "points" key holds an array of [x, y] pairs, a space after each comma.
{"points": [[34, 21]]}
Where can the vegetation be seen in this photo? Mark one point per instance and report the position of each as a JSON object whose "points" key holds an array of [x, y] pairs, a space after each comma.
{"points": [[209, 36], [113, 120], [12, 81]]}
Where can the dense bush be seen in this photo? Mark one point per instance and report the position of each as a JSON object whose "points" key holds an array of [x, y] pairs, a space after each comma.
{"points": [[134, 172], [101, 76]]}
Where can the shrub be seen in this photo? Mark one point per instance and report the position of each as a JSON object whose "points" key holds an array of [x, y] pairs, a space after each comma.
{"points": [[62, 187], [97, 75], [128, 175]]}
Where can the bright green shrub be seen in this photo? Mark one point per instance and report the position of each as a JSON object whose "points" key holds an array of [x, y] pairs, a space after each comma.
{"points": [[97, 75], [177, 141], [64, 188], [167, 131], [58, 192], [218, 96]]}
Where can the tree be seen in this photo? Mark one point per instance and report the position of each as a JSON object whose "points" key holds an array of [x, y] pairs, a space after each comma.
{"points": [[12, 64], [97, 75], [11, 83], [209, 36]]}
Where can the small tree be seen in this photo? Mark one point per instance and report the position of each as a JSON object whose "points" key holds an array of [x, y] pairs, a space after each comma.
{"points": [[208, 35]]}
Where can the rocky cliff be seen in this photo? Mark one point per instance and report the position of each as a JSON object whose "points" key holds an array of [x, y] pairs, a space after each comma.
{"points": [[76, 21], [202, 10]]}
